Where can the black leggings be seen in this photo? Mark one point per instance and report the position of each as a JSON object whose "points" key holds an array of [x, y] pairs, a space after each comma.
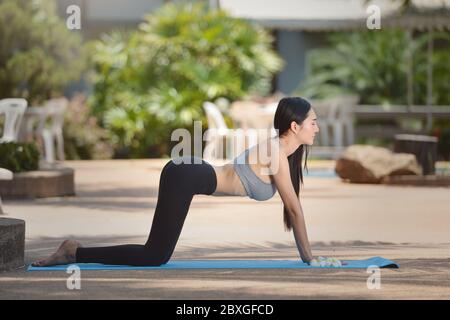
{"points": [[177, 186]]}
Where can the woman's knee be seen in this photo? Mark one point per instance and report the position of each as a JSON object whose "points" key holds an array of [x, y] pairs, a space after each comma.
{"points": [[174, 170], [157, 261]]}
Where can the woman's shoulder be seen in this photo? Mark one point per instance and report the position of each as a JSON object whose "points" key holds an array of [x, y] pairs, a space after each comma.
{"points": [[268, 153], [269, 147]]}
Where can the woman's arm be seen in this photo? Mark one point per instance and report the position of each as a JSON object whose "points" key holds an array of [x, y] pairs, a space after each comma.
{"points": [[301, 236], [282, 179]]}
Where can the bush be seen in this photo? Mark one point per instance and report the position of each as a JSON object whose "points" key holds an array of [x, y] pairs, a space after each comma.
{"points": [[19, 157], [84, 139], [39, 56], [149, 82], [374, 65]]}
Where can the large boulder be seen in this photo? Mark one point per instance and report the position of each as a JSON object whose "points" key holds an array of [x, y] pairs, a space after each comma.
{"points": [[370, 164]]}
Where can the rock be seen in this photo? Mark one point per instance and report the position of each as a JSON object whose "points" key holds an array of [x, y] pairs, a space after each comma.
{"points": [[12, 243], [370, 164]]}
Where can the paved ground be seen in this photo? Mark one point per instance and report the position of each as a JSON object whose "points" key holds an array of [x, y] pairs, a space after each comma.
{"points": [[115, 203]]}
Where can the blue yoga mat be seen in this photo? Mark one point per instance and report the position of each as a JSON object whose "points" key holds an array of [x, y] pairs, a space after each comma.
{"points": [[228, 264]]}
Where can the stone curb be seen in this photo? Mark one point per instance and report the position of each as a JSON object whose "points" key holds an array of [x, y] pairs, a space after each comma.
{"points": [[12, 243], [39, 184]]}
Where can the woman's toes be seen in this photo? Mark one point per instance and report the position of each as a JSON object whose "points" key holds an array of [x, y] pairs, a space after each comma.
{"points": [[65, 254], [36, 263]]}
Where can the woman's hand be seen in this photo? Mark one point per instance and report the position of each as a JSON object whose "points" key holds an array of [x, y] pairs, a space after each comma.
{"points": [[326, 262]]}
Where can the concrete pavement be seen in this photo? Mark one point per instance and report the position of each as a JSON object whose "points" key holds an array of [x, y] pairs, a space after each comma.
{"points": [[115, 203]]}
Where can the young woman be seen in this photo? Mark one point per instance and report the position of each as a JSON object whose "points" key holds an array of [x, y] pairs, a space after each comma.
{"points": [[296, 125]]}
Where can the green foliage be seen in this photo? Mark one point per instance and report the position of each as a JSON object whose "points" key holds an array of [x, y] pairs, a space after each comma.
{"points": [[441, 69], [374, 65], [83, 137], [19, 157], [149, 82], [38, 54]]}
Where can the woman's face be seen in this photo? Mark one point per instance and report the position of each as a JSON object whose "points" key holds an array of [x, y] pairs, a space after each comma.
{"points": [[308, 129]]}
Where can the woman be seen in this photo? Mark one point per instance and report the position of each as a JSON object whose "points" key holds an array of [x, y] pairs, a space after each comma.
{"points": [[296, 124]]}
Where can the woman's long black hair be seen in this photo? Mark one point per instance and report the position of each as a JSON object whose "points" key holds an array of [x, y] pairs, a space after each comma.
{"points": [[292, 109]]}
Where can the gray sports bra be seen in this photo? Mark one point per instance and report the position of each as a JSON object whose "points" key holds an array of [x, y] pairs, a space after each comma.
{"points": [[254, 186]]}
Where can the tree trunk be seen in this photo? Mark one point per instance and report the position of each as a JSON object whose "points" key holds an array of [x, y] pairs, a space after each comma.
{"points": [[423, 147]]}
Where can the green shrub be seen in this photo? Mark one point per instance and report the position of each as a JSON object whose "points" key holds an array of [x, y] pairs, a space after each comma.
{"points": [[84, 139], [374, 65], [149, 82], [39, 56], [19, 157]]}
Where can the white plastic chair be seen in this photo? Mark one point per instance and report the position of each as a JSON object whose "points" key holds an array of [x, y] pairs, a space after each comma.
{"points": [[13, 110], [264, 119], [4, 175], [323, 110], [45, 125], [217, 131], [343, 119], [56, 109], [336, 116]]}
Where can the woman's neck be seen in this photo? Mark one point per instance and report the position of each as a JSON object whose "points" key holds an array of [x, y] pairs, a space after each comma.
{"points": [[289, 145]]}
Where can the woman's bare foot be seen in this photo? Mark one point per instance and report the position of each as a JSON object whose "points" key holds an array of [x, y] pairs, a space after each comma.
{"points": [[64, 255]]}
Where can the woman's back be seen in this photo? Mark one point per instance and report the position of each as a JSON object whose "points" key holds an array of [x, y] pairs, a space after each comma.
{"points": [[248, 173]]}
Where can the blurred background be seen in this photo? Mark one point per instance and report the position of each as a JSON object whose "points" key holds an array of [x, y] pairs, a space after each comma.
{"points": [[134, 71], [84, 83]]}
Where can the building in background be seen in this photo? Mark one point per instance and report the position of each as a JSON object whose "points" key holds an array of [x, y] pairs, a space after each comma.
{"points": [[298, 26], [99, 16]]}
